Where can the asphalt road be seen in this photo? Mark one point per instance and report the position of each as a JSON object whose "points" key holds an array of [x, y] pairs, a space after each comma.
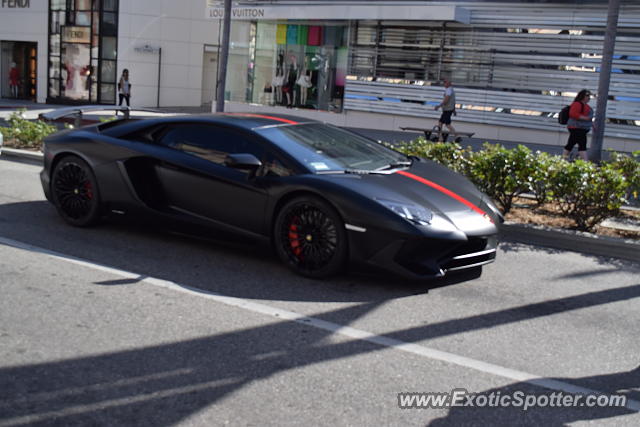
{"points": [[123, 325]]}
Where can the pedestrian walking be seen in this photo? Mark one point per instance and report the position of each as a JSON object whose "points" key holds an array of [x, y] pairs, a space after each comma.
{"points": [[579, 124], [448, 105], [124, 87]]}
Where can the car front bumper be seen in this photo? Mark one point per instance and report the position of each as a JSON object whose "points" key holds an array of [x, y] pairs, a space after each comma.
{"points": [[421, 257]]}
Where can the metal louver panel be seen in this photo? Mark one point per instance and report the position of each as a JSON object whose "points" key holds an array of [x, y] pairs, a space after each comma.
{"points": [[526, 61]]}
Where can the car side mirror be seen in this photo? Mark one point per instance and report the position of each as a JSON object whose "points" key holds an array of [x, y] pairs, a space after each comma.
{"points": [[243, 161]]}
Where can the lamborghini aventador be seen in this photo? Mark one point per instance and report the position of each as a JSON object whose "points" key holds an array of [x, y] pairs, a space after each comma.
{"points": [[325, 197]]}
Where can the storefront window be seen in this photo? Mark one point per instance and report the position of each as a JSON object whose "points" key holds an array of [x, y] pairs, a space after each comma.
{"points": [[108, 73], [109, 47], [57, 4], [266, 51], [111, 5], [82, 51], [239, 64], [75, 70], [294, 65]]}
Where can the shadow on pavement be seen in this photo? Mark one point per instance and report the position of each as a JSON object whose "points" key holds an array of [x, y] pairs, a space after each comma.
{"points": [[164, 384], [221, 263], [619, 383]]}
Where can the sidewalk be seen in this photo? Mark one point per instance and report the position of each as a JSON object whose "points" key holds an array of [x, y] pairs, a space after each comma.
{"points": [[537, 235]]}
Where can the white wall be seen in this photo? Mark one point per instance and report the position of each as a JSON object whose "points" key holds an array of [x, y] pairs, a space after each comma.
{"points": [[181, 30], [28, 25]]}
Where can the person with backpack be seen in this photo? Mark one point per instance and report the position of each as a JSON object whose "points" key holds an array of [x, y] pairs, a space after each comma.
{"points": [[579, 124]]}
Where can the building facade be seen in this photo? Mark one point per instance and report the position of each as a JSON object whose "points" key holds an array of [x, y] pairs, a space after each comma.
{"points": [[367, 64]]}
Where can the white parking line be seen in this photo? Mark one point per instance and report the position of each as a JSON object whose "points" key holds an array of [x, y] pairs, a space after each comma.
{"points": [[346, 331]]}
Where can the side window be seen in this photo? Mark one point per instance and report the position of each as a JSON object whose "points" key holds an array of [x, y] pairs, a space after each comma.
{"points": [[272, 166], [209, 142], [146, 135], [214, 143]]}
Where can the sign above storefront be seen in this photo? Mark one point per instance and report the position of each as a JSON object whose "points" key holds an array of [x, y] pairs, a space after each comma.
{"points": [[147, 49], [76, 34], [343, 12], [18, 4]]}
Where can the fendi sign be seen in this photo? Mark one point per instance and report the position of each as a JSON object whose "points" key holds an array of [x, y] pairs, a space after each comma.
{"points": [[22, 4], [76, 34]]}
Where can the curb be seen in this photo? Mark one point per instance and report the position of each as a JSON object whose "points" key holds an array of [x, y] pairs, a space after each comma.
{"points": [[557, 238], [570, 240], [24, 154]]}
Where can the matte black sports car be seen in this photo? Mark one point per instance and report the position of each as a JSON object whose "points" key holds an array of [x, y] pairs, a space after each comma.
{"points": [[323, 195]]}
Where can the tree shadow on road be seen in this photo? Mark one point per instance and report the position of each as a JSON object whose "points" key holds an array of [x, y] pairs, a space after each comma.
{"points": [[166, 383], [617, 383]]}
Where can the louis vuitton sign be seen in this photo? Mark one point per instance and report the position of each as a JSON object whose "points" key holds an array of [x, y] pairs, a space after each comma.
{"points": [[364, 11], [237, 13]]}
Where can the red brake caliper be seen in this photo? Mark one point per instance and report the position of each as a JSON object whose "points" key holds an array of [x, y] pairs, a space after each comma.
{"points": [[294, 241], [88, 189]]}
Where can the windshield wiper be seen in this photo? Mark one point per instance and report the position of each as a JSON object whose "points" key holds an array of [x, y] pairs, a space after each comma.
{"points": [[384, 170], [350, 171], [395, 165]]}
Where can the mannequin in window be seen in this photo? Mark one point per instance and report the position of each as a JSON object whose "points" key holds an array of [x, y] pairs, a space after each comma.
{"points": [[14, 80], [278, 79], [289, 85], [304, 81]]}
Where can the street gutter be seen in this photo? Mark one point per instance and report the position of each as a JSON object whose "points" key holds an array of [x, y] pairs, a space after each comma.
{"points": [[556, 238], [575, 241]]}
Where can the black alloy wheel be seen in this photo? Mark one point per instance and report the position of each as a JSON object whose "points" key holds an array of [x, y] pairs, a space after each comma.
{"points": [[310, 237], [75, 192]]}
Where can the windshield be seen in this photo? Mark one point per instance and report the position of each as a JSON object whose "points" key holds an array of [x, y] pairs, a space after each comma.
{"points": [[326, 148]]}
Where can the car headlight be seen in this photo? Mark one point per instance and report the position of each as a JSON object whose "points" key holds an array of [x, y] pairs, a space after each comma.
{"points": [[412, 213]]}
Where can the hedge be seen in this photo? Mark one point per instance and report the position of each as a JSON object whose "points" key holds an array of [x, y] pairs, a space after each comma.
{"points": [[23, 133]]}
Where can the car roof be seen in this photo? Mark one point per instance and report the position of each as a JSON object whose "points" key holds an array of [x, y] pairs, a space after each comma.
{"points": [[248, 121], [257, 120]]}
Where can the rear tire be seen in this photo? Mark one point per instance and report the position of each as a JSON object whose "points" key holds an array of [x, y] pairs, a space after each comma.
{"points": [[310, 237], [74, 191]]}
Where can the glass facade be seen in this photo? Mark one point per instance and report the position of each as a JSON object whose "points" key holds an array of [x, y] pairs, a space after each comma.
{"points": [[82, 51], [293, 64]]}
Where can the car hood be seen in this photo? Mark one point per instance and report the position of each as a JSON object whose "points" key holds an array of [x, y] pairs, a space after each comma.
{"points": [[447, 194]]}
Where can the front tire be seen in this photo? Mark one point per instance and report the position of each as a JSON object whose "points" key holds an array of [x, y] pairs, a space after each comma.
{"points": [[310, 237], [74, 191]]}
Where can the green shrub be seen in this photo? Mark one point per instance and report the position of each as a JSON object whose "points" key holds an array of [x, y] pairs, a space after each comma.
{"points": [[502, 174], [629, 166], [588, 193], [23, 133], [545, 167]]}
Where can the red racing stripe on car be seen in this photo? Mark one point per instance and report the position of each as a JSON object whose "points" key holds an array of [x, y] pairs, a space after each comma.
{"points": [[445, 191], [262, 116]]}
